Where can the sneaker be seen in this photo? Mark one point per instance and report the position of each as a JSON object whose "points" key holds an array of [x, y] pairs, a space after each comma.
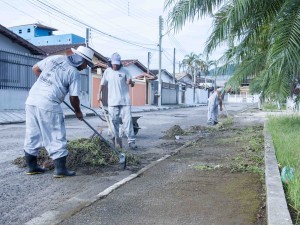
{"points": [[132, 146]]}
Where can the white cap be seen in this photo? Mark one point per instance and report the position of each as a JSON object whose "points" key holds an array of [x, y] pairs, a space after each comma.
{"points": [[86, 53], [116, 59]]}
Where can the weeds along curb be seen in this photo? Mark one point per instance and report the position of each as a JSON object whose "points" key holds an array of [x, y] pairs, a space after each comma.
{"points": [[76, 204], [277, 210]]}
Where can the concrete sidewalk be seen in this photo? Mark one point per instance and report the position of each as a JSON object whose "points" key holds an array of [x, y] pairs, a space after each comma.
{"points": [[18, 116], [163, 193]]}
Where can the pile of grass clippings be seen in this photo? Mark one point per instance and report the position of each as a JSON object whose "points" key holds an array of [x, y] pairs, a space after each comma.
{"points": [[83, 153], [173, 131]]}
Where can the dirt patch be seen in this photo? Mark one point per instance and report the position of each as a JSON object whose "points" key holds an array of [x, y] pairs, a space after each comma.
{"points": [[230, 158]]}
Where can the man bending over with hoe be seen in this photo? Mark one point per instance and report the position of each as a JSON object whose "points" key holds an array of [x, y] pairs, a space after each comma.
{"points": [[214, 101], [45, 127]]}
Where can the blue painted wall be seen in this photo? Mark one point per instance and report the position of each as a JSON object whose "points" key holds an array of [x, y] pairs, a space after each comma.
{"points": [[27, 32], [40, 36], [57, 40]]}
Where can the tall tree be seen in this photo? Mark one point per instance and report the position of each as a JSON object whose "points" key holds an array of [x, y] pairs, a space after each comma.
{"points": [[263, 37], [195, 65]]}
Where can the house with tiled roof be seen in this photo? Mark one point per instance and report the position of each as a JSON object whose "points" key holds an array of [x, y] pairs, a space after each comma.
{"points": [[17, 56], [169, 87], [188, 92], [13, 42], [165, 76], [141, 94]]}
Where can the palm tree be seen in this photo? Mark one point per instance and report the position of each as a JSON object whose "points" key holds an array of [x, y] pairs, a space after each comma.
{"points": [[263, 37], [190, 62], [194, 65]]}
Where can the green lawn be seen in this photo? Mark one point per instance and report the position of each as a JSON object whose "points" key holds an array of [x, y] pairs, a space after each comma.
{"points": [[285, 131]]}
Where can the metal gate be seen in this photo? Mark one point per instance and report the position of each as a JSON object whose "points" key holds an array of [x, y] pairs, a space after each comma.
{"points": [[169, 94]]}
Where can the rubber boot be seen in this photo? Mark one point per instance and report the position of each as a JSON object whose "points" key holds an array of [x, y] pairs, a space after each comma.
{"points": [[113, 141], [32, 165], [118, 142], [60, 169]]}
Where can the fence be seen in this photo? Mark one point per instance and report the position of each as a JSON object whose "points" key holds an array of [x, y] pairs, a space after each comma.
{"points": [[169, 94], [15, 70], [16, 79], [239, 98]]}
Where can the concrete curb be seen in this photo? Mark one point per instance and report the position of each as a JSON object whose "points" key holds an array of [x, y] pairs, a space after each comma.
{"points": [[277, 210], [72, 115], [15, 118], [12, 122], [75, 204]]}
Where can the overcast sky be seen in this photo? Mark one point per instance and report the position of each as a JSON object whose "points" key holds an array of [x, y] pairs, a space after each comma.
{"points": [[133, 21]]}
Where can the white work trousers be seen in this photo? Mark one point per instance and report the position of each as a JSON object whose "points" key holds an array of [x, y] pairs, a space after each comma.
{"points": [[125, 112], [212, 114], [45, 129]]}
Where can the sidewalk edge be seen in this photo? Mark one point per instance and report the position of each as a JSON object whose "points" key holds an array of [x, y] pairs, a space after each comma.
{"points": [[75, 204], [277, 210]]}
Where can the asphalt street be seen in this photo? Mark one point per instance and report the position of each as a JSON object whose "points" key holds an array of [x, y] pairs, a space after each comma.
{"points": [[24, 198]]}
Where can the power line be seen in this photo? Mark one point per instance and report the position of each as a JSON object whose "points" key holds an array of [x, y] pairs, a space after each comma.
{"points": [[20, 10], [140, 15], [58, 16], [70, 17], [119, 28]]}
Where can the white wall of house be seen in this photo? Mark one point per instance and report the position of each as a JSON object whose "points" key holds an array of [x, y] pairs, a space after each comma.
{"points": [[189, 96], [180, 93], [166, 78], [13, 99], [133, 70], [246, 98], [291, 105], [187, 80], [201, 96], [7, 44]]}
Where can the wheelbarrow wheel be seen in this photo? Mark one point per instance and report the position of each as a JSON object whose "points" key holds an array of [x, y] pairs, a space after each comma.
{"points": [[135, 128]]}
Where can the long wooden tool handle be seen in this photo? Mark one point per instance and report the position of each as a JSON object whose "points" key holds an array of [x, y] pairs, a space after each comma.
{"points": [[96, 132], [107, 119]]}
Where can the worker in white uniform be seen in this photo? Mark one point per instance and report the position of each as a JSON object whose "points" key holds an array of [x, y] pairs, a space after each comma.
{"points": [[118, 80], [214, 101], [56, 76]]}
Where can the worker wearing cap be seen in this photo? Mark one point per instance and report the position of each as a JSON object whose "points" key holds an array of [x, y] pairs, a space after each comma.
{"points": [[118, 80], [56, 77], [214, 101]]}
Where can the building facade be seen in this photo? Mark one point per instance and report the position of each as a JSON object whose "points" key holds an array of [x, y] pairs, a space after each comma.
{"points": [[41, 35]]}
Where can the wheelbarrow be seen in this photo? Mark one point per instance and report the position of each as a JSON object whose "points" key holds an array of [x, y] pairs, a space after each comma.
{"points": [[135, 124]]}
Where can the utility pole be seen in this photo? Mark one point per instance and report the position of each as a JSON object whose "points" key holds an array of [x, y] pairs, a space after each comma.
{"points": [[146, 81], [87, 36], [87, 39], [148, 63], [174, 65], [161, 21]]}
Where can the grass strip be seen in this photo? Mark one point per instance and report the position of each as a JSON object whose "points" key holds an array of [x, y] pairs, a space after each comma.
{"points": [[285, 131]]}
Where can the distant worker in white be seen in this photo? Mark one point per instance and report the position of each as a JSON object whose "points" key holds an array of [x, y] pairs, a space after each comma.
{"points": [[56, 76], [214, 101], [118, 80]]}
